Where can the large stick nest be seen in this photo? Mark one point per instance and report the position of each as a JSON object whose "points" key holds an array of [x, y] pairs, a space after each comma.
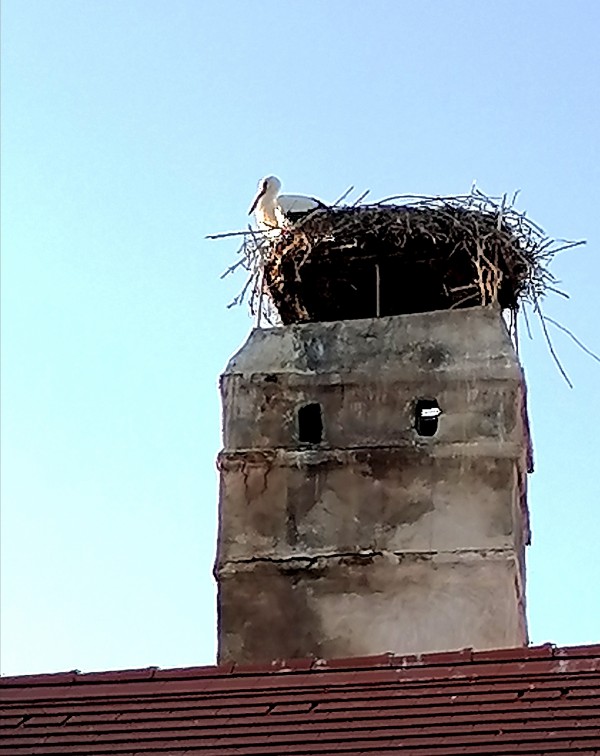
{"points": [[402, 255], [388, 259]]}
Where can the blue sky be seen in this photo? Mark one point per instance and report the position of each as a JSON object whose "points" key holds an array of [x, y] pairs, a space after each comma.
{"points": [[133, 128]]}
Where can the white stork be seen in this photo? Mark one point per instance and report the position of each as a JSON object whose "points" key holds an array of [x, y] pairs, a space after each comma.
{"points": [[273, 210]]}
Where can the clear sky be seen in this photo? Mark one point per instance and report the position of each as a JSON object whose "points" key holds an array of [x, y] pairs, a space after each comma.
{"points": [[133, 128]]}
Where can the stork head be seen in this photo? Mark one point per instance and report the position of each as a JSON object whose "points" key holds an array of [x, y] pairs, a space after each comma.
{"points": [[270, 185], [267, 187]]}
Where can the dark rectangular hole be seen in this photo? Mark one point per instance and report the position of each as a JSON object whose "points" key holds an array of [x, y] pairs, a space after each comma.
{"points": [[310, 424], [427, 413]]}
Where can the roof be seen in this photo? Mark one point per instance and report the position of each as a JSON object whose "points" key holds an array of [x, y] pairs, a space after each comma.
{"points": [[512, 701]]}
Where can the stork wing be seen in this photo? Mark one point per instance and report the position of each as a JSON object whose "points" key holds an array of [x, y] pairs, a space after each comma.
{"points": [[297, 203]]}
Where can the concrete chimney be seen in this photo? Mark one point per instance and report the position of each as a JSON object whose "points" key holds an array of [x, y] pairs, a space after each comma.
{"points": [[373, 489]]}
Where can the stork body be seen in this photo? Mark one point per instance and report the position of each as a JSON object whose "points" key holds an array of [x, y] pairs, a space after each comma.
{"points": [[273, 210]]}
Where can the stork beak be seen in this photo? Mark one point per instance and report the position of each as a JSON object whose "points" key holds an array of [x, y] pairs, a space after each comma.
{"points": [[258, 196]]}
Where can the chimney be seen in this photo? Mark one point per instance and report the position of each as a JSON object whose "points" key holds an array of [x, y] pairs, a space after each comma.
{"points": [[373, 488]]}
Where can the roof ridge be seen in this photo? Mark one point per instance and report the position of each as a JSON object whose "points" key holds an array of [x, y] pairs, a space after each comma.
{"points": [[387, 660]]}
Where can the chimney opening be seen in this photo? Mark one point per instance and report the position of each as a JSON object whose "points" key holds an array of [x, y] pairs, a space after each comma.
{"points": [[310, 424], [427, 413]]}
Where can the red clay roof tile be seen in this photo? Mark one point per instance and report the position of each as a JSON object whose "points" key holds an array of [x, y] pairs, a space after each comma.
{"points": [[540, 700]]}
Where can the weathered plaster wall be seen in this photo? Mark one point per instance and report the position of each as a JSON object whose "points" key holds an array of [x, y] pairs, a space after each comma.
{"points": [[375, 539], [367, 603]]}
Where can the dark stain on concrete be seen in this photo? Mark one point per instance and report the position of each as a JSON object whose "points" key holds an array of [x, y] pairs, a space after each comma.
{"points": [[314, 349], [257, 608], [431, 355], [301, 498]]}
